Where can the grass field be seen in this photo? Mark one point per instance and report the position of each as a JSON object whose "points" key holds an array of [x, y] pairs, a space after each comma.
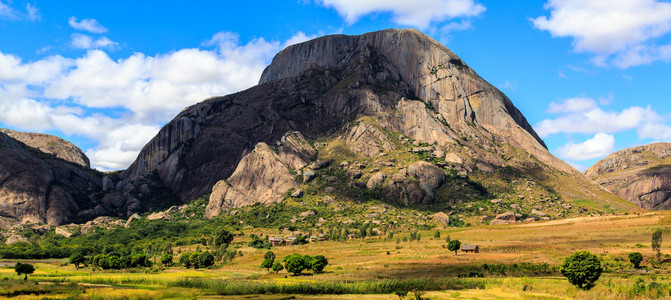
{"points": [[374, 268]]}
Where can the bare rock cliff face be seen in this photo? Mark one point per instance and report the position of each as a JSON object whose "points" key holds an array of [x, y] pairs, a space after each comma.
{"points": [[640, 175], [37, 188], [404, 80], [50, 144]]}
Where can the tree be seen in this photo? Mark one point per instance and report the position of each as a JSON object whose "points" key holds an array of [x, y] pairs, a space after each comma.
{"points": [[269, 255], [582, 269], [657, 242], [223, 238], [318, 263], [166, 259], [295, 263], [268, 261], [277, 267], [454, 245], [77, 259], [635, 258], [267, 264], [24, 269]]}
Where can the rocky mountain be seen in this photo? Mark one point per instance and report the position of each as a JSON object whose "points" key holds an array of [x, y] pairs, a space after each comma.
{"points": [[390, 115], [640, 175], [50, 144], [40, 187]]}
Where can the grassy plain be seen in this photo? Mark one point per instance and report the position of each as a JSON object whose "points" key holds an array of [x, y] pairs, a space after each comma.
{"points": [[379, 265]]}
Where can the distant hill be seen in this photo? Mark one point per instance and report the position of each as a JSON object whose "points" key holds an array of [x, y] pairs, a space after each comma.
{"points": [[640, 175]]}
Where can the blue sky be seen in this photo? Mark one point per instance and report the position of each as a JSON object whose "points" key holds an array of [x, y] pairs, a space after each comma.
{"points": [[592, 77]]}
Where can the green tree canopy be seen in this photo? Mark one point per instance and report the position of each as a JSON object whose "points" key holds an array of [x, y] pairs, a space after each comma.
{"points": [[295, 263], [25, 269], [454, 245], [318, 263], [77, 259], [223, 238], [277, 266], [582, 269]]}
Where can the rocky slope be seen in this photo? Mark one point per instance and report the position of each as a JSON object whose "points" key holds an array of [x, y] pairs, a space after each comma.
{"points": [[392, 115], [640, 175], [50, 144], [36, 187]]}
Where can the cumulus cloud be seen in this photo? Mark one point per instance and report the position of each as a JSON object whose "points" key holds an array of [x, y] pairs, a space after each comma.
{"points": [[90, 25], [622, 33], [583, 115], [82, 41], [121, 104], [418, 13], [600, 145]]}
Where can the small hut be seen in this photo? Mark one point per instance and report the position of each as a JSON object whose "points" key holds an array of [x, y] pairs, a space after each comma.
{"points": [[470, 248], [276, 241]]}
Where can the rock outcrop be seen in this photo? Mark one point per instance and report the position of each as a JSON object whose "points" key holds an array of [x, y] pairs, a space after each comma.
{"points": [[261, 176], [51, 145], [640, 175], [39, 188]]}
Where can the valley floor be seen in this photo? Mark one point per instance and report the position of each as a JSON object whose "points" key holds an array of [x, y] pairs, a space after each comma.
{"points": [[515, 261]]}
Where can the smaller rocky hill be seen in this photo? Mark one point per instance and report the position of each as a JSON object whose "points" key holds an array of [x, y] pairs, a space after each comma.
{"points": [[51, 145], [640, 175]]}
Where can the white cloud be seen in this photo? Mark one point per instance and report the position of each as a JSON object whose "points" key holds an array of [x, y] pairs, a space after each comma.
{"points": [[418, 13], [600, 145], [618, 32], [579, 104], [90, 25], [71, 95], [583, 115], [9, 13], [82, 41], [655, 131], [32, 12]]}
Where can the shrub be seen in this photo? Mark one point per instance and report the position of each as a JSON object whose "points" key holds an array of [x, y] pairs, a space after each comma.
{"points": [[166, 259], [635, 258], [185, 260], [223, 238], [582, 269]]}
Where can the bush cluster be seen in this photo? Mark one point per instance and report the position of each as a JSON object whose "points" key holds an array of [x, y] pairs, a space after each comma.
{"points": [[197, 260], [117, 261]]}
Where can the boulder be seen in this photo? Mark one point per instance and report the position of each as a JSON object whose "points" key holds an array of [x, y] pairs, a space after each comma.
{"points": [[453, 158], [427, 173], [376, 180], [538, 213], [297, 194], [353, 174], [320, 164], [308, 175], [442, 218], [132, 218], [159, 216], [64, 231], [308, 213], [13, 239]]}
